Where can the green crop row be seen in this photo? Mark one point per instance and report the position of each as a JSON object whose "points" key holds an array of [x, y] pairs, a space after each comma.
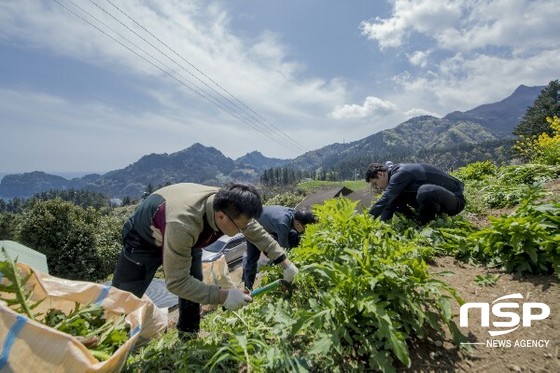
{"points": [[363, 295]]}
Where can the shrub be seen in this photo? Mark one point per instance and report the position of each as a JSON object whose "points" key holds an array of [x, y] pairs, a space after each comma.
{"points": [[543, 148], [525, 241], [527, 173], [548, 147], [8, 225], [506, 187], [476, 171], [70, 237]]}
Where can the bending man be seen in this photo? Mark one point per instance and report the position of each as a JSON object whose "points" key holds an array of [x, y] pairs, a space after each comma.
{"points": [[427, 189], [172, 225], [285, 225]]}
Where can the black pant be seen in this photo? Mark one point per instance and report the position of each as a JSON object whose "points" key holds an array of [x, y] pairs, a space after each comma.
{"points": [[433, 200], [137, 265], [250, 265], [429, 201]]}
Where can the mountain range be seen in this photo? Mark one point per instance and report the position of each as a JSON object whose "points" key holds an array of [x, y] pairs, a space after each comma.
{"points": [[418, 138]]}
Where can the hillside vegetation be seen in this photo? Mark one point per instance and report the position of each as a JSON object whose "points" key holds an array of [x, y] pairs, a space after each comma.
{"points": [[365, 295]]}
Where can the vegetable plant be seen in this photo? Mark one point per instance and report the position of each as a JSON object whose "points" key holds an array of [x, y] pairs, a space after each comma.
{"points": [[362, 297]]}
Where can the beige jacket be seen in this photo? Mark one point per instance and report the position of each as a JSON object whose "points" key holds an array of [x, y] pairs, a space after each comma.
{"points": [[186, 207]]}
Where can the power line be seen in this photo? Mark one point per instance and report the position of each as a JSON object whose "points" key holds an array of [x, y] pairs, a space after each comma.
{"points": [[265, 121], [250, 118], [194, 89]]}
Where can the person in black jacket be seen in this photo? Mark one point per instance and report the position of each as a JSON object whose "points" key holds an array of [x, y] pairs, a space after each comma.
{"points": [[285, 225], [425, 188]]}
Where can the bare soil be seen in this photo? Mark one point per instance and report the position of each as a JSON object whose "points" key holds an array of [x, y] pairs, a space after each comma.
{"points": [[527, 349]]}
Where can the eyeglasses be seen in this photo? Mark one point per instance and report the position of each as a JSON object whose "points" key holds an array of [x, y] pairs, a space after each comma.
{"points": [[241, 230]]}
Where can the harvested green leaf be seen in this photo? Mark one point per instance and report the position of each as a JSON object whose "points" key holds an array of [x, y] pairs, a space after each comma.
{"points": [[14, 292], [87, 323]]}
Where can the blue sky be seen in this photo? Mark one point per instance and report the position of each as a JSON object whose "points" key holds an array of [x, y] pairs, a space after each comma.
{"points": [[94, 85]]}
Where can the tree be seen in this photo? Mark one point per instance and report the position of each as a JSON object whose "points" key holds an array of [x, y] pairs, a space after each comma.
{"points": [[8, 225], [82, 198], [77, 242], [547, 105]]}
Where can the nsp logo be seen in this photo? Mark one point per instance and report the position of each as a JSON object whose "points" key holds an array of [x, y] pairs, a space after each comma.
{"points": [[498, 310]]}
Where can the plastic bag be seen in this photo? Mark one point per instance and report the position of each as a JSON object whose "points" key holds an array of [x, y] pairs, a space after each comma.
{"points": [[30, 346], [217, 273]]}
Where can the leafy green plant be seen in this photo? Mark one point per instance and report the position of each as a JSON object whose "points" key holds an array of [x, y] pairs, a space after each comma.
{"points": [[371, 288], [525, 241], [443, 236], [499, 196], [487, 279], [288, 199], [89, 324], [86, 322], [476, 171], [506, 187], [13, 291], [527, 173]]}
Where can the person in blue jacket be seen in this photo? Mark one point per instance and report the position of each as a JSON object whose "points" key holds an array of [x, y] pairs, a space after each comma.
{"points": [[425, 188], [285, 225]]}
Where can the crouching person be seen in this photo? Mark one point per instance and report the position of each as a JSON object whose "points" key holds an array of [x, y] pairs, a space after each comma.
{"points": [[423, 187]]}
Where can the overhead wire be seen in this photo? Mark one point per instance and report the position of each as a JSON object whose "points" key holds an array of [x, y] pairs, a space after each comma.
{"points": [[243, 113], [260, 117], [194, 89]]}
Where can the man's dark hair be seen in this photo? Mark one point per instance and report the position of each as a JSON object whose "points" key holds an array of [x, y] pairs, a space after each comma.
{"points": [[373, 169], [237, 199], [304, 217]]}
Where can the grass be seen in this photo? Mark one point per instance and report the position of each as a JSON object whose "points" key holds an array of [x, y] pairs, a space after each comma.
{"points": [[314, 185]]}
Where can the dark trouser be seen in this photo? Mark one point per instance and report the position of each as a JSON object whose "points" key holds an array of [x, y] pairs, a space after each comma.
{"points": [[137, 266], [433, 200], [250, 264]]}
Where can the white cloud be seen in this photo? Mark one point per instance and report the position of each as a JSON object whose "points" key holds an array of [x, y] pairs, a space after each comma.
{"points": [[415, 112], [463, 25], [463, 82], [372, 106], [519, 25], [419, 58], [479, 51], [422, 16]]}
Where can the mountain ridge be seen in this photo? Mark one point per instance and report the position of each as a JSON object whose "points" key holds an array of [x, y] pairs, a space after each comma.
{"points": [[486, 123]]}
